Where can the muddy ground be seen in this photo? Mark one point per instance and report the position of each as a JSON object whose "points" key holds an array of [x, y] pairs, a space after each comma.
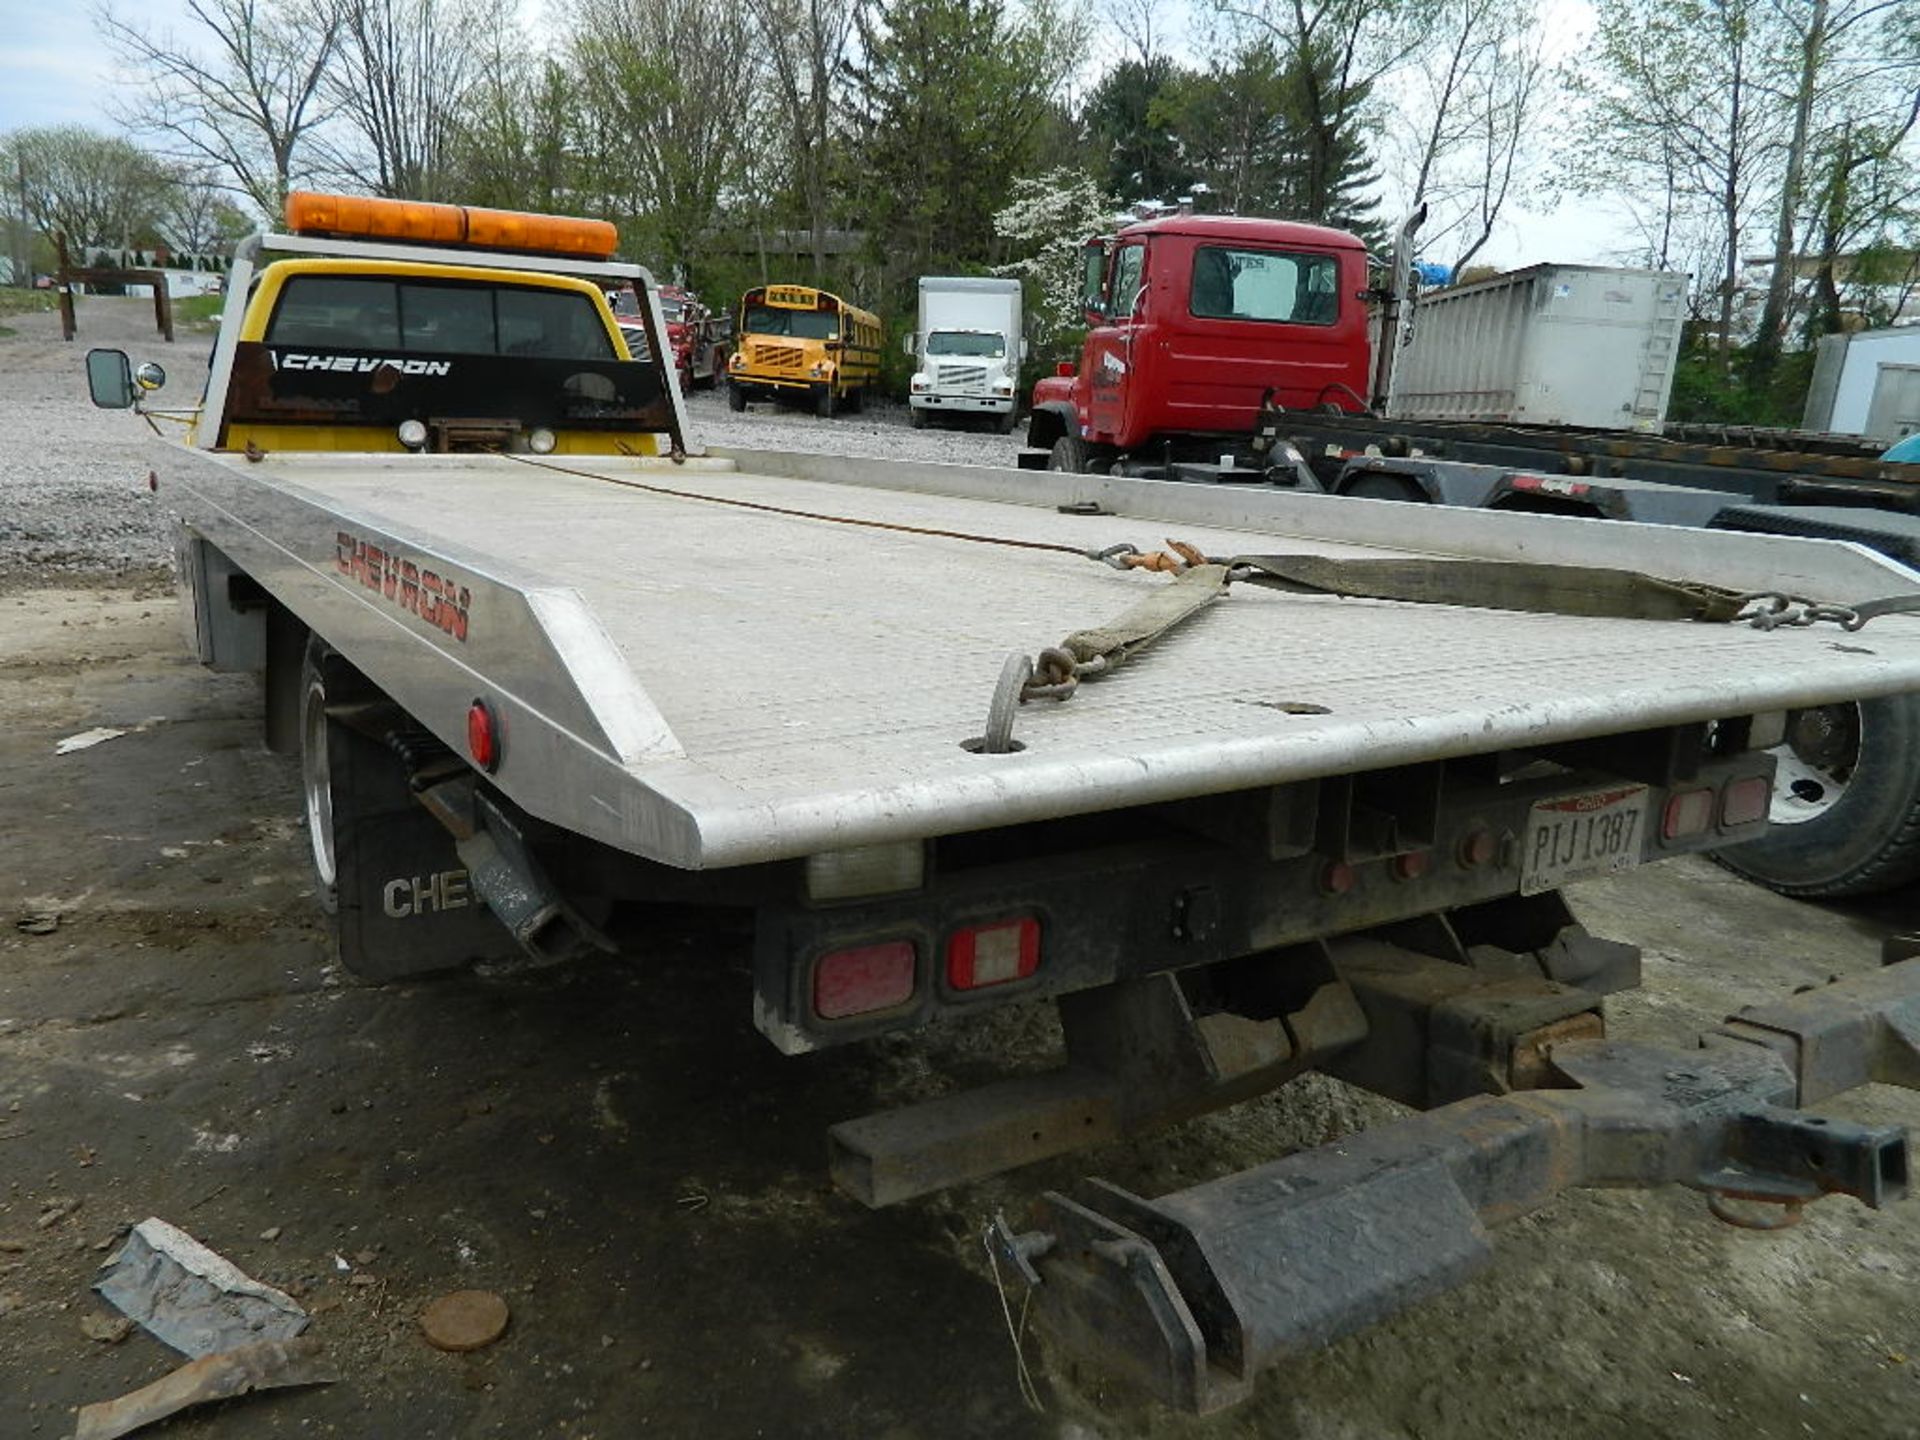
{"points": [[617, 1151]]}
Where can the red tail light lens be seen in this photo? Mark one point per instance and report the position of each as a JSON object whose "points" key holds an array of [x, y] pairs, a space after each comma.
{"points": [[1689, 812], [482, 742], [864, 979], [1746, 801], [983, 955], [1066, 369]]}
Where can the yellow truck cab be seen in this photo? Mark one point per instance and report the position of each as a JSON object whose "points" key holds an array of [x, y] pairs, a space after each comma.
{"points": [[799, 343], [395, 326]]}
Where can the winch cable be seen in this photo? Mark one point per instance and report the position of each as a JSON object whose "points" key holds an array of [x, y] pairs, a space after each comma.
{"points": [[765, 509]]}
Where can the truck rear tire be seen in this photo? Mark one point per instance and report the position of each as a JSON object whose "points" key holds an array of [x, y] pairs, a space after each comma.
{"points": [[1070, 455], [1007, 422], [325, 679], [736, 399], [1846, 805]]}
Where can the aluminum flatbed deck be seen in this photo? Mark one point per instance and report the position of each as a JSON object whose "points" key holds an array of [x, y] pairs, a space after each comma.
{"points": [[706, 685]]}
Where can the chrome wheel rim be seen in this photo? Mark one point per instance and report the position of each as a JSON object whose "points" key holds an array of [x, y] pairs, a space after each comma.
{"points": [[317, 780], [1815, 762]]}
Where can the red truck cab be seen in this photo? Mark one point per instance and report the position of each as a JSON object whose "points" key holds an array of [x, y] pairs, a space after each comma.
{"points": [[1192, 320]]}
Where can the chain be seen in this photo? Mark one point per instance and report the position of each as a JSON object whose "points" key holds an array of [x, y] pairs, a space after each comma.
{"points": [[1774, 609]]}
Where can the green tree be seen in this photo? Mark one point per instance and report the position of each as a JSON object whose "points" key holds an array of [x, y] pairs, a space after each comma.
{"points": [[1051, 217], [513, 135], [1336, 53], [951, 94], [96, 190], [662, 86], [1131, 127]]}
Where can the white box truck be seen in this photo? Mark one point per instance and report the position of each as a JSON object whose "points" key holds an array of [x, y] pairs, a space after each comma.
{"points": [[967, 347]]}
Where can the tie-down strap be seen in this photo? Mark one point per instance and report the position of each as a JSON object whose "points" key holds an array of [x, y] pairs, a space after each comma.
{"points": [[1525, 586]]}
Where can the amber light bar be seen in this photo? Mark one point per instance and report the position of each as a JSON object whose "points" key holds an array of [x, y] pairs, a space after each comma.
{"points": [[365, 218]]}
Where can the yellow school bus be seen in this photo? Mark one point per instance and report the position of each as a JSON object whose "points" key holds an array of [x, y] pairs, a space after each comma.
{"points": [[798, 343]]}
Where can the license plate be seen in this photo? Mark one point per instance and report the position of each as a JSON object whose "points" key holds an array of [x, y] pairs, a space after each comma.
{"points": [[1579, 836]]}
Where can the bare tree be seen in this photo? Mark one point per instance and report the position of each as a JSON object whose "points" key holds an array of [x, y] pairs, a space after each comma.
{"points": [[241, 94], [1677, 93], [1848, 65], [806, 44], [198, 218], [400, 73], [1480, 93]]}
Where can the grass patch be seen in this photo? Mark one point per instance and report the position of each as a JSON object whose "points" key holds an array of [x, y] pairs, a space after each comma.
{"points": [[15, 301], [198, 309]]}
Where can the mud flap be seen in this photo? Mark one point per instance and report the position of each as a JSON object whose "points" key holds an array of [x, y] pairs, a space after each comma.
{"points": [[407, 905]]}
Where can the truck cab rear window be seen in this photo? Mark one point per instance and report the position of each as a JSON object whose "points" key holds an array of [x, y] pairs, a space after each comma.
{"points": [[418, 318], [1265, 285]]}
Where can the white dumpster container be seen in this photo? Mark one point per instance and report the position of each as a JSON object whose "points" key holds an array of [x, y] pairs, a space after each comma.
{"points": [[1548, 345]]}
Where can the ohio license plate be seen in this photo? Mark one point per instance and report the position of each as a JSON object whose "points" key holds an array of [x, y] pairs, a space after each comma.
{"points": [[1578, 836]]}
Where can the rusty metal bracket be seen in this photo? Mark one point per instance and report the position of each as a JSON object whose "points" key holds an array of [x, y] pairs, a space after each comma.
{"points": [[1138, 1058], [1191, 1295]]}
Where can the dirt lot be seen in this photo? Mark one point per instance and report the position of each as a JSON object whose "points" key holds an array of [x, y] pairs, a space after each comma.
{"points": [[617, 1151]]}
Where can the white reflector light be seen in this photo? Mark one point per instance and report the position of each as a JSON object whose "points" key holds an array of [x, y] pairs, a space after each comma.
{"points": [[866, 870], [983, 955]]}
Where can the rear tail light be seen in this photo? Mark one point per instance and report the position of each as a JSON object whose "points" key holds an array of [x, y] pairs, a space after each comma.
{"points": [[997, 954], [1746, 801], [864, 979], [1688, 812]]}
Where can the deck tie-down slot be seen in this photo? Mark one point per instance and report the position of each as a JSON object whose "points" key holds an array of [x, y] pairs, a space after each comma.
{"points": [[1192, 1294]]}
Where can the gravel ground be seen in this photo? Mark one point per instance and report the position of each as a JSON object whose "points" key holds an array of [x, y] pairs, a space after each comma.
{"points": [[74, 478]]}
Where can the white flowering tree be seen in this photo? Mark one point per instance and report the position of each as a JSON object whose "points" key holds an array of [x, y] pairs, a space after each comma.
{"points": [[1052, 216]]}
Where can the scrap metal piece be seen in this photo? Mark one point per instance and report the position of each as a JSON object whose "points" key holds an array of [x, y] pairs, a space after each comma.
{"points": [[262, 1365], [189, 1297]]}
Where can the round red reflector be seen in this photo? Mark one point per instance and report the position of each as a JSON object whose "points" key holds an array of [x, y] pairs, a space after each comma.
{"points": [[482, 743], [1478, 848], [1338, 878]]}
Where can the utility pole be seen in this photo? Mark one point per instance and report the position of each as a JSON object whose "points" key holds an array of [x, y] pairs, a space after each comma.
{"points": [[22, 234]]}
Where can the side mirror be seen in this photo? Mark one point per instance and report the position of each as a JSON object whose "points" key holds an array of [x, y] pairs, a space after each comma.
{"points": [[1025, 347], [907, 342], [110, 379], [150, 376]]}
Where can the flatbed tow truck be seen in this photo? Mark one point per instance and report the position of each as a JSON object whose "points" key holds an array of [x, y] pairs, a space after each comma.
{"points": [[1297, 792]]}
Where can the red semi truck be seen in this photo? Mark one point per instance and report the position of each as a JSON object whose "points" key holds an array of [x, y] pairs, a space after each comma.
{"points": [[1192, 321]]}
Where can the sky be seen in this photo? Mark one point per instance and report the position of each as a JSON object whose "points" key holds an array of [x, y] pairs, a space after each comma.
{"points": [[55, 71]]}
